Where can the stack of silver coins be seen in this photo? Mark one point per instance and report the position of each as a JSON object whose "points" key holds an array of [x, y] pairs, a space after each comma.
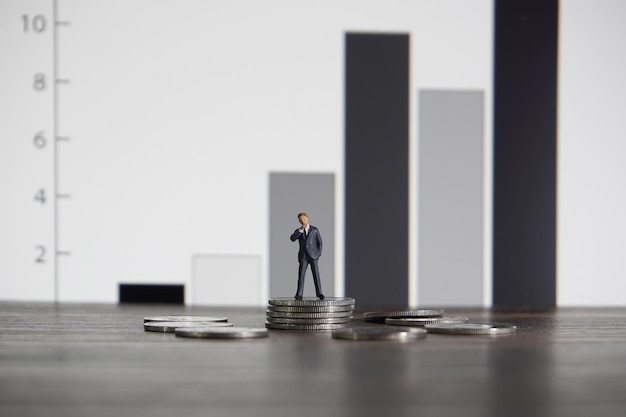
{"points": [[288, 313]]}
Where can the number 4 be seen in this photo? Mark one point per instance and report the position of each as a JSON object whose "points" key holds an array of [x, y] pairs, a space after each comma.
{"points": [[41, 196]]}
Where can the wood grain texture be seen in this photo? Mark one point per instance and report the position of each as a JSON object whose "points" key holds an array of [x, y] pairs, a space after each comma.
{"points": [[96, 360]]}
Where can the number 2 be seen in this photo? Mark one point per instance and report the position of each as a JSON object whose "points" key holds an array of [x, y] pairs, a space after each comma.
{"points": [[41, 254]]}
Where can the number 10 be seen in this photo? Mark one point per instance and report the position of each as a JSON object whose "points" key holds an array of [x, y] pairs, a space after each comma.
{"points": [[38, 23]]}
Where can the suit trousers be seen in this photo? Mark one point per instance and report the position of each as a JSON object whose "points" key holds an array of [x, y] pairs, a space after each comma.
{"points": [[304, 263]]}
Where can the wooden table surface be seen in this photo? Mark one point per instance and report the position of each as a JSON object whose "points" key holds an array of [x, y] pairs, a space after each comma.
{"points": [[96, 360]]}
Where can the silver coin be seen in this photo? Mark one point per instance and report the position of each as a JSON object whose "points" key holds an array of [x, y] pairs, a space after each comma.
{"points": [[422, 321], [285, 326], [380, 316], [222, 332], [397, 334], [311, 309], [312, 301], [285, 314], [184, 318], [331, 320], [171, 326], [470, 329]]}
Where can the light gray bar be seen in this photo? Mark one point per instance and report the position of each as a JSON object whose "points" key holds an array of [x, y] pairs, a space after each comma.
{"points": [[451, 135], [290, 194]]}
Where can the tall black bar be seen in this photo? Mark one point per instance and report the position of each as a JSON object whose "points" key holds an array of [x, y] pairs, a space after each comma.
{"points": [[525, 158], [376, 168]]}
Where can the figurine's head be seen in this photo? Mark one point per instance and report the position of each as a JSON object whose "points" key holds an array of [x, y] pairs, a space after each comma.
{"points": [[303, 218]]}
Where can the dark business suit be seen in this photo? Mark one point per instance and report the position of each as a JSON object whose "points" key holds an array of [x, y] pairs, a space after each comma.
{"points": [[309, 253]]}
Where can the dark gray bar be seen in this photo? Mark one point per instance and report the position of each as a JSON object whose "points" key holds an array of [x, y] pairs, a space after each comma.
{"points": [[376, 168], [525, 140], [451, 136]]}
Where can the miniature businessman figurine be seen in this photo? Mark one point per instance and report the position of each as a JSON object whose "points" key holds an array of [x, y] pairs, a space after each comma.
{"points": [[310, 250]]}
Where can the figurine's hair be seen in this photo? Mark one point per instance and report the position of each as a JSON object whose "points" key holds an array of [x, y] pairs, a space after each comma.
{"points": [[302, 214]]}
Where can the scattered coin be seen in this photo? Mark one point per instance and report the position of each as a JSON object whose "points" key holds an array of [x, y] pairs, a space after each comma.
{"points": [[185, 318], [222, 332], [286, 314], [171, 326], [470, 329], [380, 316], [285, 326], [380, 333], [311, 301], [330, 320], [422, 321]]}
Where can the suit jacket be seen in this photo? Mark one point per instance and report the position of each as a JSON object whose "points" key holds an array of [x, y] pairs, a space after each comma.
{"points": [[311, 246]]}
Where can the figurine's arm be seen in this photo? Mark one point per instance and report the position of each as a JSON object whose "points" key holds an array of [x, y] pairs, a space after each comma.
{"points": [[319, 241], [295, 235]]}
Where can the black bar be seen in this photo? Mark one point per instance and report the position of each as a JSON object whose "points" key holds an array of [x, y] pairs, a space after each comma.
{"points": [[152, 293], [525, 158], [377, 168]]}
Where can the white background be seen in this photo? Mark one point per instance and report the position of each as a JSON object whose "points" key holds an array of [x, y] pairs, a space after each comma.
{"points": [[592, 153], [178, 110]]}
